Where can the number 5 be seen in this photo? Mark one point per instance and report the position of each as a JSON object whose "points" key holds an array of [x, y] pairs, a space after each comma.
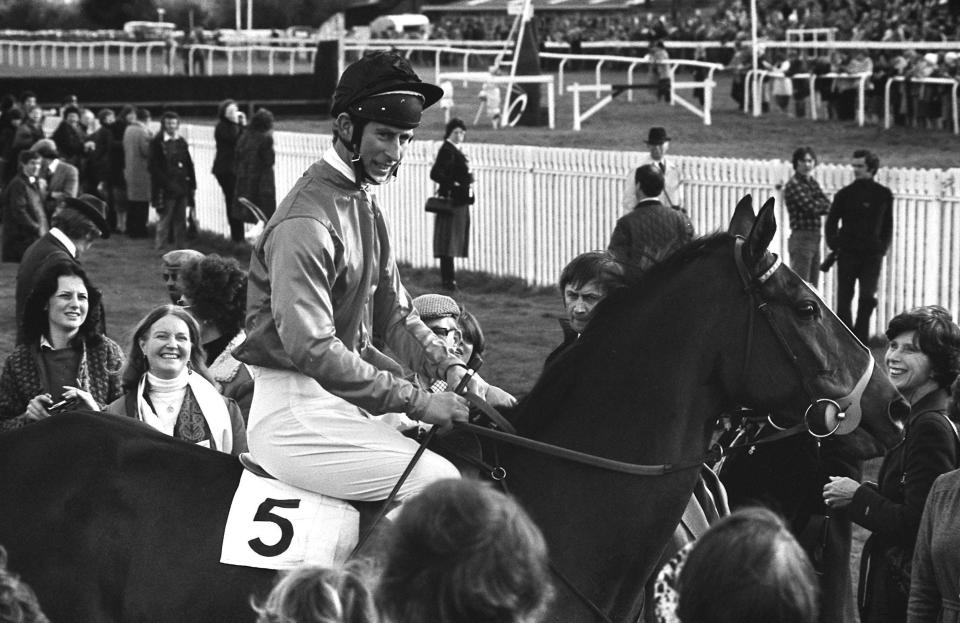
{"points": [[286, 528]]}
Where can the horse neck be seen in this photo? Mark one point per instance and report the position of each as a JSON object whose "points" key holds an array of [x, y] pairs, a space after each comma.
{"points": [[644, 393]]}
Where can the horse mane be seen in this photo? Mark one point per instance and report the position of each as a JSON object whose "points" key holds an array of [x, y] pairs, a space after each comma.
{"points": [[549, 392]]}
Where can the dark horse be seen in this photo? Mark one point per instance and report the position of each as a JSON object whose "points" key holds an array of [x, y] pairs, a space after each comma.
{"points": [[112, 522]]}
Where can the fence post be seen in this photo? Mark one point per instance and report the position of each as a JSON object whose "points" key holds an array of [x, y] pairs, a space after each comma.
{"points": [[529, 208]]}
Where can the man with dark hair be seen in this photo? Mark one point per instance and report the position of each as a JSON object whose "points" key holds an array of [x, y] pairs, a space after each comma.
{"points": [[651, 231], [585, 281], [173, 181], [806, 204], [323, 286], [79, 223], [859, 229], [24, 219]]}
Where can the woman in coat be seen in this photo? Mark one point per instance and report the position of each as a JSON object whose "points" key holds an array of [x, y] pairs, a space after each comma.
{"points": [[255, 157], [923, 359], [228, 130], [451, 234], [65, 357], [169, 389]]}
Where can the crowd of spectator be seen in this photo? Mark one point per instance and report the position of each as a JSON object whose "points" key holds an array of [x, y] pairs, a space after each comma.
{"points": [[727, 20]]}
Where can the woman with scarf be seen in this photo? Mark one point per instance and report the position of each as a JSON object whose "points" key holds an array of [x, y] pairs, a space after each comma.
{"points": [[168, 386]]}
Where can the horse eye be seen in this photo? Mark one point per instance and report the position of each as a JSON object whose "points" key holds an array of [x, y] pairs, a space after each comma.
{"points": [[808, 309]]}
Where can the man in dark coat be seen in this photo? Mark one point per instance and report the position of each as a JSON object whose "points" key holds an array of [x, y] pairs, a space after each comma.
{"points": [[651, 231], [859, 229], [76, 226], [24, 219]]}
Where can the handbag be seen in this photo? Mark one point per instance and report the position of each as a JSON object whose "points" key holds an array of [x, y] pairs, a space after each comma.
{"points": [[438, 205]]}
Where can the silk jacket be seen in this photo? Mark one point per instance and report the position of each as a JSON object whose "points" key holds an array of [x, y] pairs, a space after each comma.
{"points": [[323, 282]]}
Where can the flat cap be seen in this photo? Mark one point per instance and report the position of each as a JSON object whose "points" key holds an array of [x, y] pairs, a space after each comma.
{"points": [[176, 259], [433, 306]]}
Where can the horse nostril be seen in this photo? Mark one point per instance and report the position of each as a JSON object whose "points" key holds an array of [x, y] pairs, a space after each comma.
{"points": [[898, 410]]}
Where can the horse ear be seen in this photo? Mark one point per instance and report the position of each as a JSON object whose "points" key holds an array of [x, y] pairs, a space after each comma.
{"points": [[762, 231], [743, 217]]}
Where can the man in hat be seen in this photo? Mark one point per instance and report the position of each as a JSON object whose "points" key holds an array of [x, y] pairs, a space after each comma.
{"points": [[672, 195], [172, 263], [323, 285], [76, 226], [63, 179]]}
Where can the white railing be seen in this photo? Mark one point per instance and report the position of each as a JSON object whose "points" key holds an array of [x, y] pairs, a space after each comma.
{"points": [[950, 82], [539, 207]]}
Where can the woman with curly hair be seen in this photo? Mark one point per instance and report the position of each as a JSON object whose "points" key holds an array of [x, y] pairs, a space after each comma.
{"points": [[923, 359], [168, 387], [65, 362], [215, 292]]}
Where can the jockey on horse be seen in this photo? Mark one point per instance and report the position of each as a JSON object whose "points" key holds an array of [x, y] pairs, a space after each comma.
{"points": [[323, 285]]}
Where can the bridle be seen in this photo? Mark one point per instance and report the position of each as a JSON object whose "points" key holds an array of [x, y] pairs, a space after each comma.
{"points": [[838, 415]]}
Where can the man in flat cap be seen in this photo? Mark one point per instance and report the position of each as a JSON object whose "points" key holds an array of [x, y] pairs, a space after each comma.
{"points": [[323, 285], [76, 225], [171, 264]]}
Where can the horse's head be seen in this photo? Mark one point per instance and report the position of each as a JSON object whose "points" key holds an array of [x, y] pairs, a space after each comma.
{"points": [[799, 361]]}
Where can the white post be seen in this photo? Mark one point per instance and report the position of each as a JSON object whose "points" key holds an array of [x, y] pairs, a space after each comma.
{"points": [[239, 14], [754, 51], [576, 106], [249, 15]]}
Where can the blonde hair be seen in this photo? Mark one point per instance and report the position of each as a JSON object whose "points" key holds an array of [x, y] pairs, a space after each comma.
{"points": [[312, 594]]}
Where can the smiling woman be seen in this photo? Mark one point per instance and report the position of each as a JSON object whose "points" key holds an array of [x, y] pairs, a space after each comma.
{"points": [[64, 362], [168, 386], [923, 359]]}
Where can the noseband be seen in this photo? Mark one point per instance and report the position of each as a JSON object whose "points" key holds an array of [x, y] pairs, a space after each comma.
{"points": [[836, 415]]}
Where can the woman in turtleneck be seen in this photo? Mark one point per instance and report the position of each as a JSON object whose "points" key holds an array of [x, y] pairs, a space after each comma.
{"points": [[168, 386]]}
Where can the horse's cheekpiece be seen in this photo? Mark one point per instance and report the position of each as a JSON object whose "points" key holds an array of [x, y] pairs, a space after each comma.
{"points": [[273, 525], [823, 417]]}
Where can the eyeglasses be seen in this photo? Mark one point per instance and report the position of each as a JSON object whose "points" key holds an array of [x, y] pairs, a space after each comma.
{"points": [[452, 337]]}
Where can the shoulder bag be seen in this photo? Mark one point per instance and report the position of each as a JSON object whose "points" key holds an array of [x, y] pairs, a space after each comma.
{"points": [[438, 205]]}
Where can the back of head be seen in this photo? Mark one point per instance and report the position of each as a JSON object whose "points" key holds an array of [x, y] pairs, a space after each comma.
{"points": [[143, 115], [460, 551], [320, 595], [18, 603], [649, 180], [748, 568], [262, 120]]}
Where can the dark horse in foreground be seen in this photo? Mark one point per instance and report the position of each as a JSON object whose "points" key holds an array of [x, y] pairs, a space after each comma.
{"points": [[110, 522]]}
